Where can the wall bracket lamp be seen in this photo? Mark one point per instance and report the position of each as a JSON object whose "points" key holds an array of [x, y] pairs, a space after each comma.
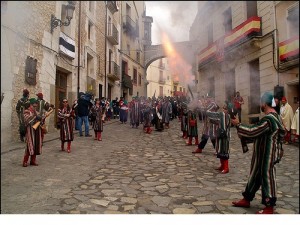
{"points": [[69, 15]]}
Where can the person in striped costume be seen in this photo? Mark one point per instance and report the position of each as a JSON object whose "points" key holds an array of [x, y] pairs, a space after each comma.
{"points": [[66, 117], [268, 135]]}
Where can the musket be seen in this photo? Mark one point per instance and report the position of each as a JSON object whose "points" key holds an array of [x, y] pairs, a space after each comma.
{"points": [[189, 88], [36, 125]]}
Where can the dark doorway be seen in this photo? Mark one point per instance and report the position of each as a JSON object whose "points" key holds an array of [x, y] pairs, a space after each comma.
{"points": [[100, 91], [60, 93], [254, 98]]}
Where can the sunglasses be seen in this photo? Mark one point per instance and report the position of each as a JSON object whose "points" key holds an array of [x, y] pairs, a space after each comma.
{"points": [[65, 102]]}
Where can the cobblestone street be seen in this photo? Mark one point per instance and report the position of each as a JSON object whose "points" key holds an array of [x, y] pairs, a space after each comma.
{"points": [[135, 173]]}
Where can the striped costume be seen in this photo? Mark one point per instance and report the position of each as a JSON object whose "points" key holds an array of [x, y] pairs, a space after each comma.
{"points": [[268, 136], [222, 120], [33, 137], [135, 111], [66, 124], [98, 123]]}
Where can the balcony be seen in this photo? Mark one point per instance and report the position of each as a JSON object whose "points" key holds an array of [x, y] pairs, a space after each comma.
{"points": [[162, 81], [161, 66], [113, 71], [246, 31], [112, 6], [113, 34], [129, 26], [289, 53], [126, 81], [175, 82]]}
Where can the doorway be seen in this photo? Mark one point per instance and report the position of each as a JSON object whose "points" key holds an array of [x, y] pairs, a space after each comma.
{"points": [[254, 98], [60, 93], [100, 91]]}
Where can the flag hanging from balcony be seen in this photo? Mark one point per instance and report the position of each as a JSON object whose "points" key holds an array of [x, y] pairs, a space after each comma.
{"points": [[289, 49], [67, 45]]}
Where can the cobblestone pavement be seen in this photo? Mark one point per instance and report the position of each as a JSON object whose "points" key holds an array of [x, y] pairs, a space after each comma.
{"points": [[130, 172]]}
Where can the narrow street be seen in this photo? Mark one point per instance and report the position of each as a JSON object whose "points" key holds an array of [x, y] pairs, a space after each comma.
{"points": [[135, 173]]}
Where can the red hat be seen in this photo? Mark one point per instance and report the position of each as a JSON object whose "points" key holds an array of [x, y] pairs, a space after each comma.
{"points": [[40, 95], [25, 92], [283, 98]]}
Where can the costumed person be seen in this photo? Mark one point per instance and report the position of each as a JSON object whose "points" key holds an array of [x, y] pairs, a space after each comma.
{"points": [[42, 108], [135, 112], [159, 126], [268, 135], [287, 115], [75, 109], [295, 125], [166, 112], [209, 128], [22, 104], [183, 119], [147, 117], [123, 110], [99, 113], [222, 136], [192, 128], [33, 137], [238, 101], [66, 117]]}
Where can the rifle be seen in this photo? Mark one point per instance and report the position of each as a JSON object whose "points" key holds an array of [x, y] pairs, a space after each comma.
{"points": [[244, 141], [189, 88], [36, 125]]}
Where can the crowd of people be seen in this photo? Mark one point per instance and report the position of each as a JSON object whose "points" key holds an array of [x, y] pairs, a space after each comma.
{"points": [[273, 129]]}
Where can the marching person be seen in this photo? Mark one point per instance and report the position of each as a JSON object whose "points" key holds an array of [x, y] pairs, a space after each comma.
{"points": [[222, 136], [22, 104], [147, 117], [209, 128], [295, 124], [99, 113], [135, 112], [123, 110], [286, 114], [268, 135], [33, 137], [43, 107], [183, 119], [192, 128], [238, 101], [66, 117]]}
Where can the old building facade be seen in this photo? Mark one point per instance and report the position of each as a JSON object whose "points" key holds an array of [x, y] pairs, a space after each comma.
{"points": [[250, 47], [58, 61], [133, 39]]}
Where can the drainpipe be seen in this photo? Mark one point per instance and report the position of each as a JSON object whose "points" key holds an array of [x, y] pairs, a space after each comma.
{"points": [[276, 42], [78, 63], [105, 49]]}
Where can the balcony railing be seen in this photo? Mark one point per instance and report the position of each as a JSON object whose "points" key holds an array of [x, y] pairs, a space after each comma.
{"points": [[126, 81], [242, 33], [112, 6], [113, 71], [113, 34], [162, 81], [129, 26]]}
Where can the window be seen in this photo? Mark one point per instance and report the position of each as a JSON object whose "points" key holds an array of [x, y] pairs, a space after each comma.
{"points": [[161, 91], [161, 75], [251, 8], [210, 36], [89, 30], [134, 76], [293, 21], [227, 20], [140, 79], [138, 56]]}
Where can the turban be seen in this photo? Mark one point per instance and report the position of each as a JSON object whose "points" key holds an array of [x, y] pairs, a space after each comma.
{"points": [[32, 101], [40, 95], [267, 98]]}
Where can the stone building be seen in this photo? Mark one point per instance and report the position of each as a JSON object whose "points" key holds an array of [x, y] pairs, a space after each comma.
{"points": [[133, 39], [113, 30], [250, 47], [44, 58]]}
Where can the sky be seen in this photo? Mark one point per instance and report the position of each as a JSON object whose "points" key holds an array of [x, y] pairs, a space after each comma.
{"points": [[174, 17]]}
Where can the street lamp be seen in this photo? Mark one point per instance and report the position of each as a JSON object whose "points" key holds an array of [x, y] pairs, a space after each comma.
{"points": [[69, 15]]}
